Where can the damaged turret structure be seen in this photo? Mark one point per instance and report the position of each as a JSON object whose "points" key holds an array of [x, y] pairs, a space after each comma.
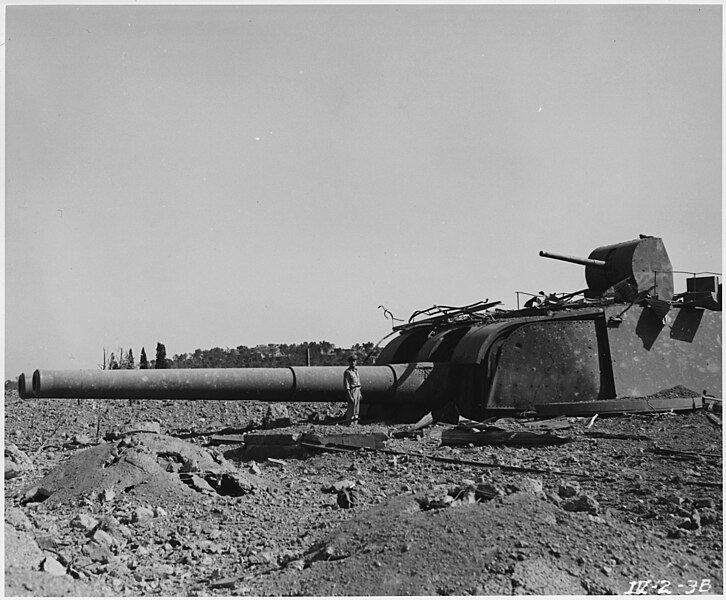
{"points": [[627, 335]]}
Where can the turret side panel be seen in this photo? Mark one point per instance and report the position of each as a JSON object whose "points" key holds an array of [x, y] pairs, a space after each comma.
{"points": [[547, 361], [649, 356]]}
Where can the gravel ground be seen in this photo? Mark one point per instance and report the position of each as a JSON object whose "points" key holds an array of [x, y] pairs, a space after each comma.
{"points": [[165, 513]]}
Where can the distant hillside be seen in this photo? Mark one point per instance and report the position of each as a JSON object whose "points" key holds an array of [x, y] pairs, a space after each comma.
{"points": [[273, 355]]}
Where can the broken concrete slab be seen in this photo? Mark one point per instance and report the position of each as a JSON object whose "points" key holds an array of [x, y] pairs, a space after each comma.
{"points": [[618, 406], [272, 439], [347, 440], [497, 437]]}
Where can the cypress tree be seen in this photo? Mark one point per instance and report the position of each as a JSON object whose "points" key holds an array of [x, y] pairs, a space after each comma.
{"points": [[160, 356]]}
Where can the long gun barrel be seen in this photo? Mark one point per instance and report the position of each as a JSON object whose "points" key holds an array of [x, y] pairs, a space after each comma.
{"points": [[399, 383], [588, 262]]}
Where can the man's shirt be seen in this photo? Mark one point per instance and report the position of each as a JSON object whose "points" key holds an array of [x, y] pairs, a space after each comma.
{"points": [[351, 378]]}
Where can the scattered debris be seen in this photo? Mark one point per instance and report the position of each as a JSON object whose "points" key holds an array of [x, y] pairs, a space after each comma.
{"points": [[276, 416], [568, 490], [132, 428], [16, 461], [618, 406], [714, 419], [494, 436], [582, 503], [414, 430], [226, 582], [369, 440], [683, 453], [84, 521], [616, 436], [605, 508]]}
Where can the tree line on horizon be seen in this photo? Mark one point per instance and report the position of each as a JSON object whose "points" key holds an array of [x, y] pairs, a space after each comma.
{"points": [[266, 355]]}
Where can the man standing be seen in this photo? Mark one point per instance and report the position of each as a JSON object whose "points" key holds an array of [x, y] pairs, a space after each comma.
{"points": [[351, 381]]}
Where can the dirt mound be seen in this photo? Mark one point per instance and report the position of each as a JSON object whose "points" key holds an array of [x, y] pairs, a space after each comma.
{"points": [[476, 548], [152, 466]]}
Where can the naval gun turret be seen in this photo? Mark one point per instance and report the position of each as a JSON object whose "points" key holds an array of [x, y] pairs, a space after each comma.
{"points": [[625, 269], [626, 336]]}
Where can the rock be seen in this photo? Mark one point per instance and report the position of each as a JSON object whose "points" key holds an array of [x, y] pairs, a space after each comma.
{"points": [[553, 498], [338, 486], [255, 468], [583, 503], [703, 503], [107, 495], [673, 499], [236, 484], [696, 519], [36, 494], [530, 485], [11, 469], [164, 571], [143, 514], [487, 491], [16, 461], [277, 416], [46, 542], [226, 582], [434, 500], [263, 558], [112, 526], [20, 458], [708, 516], [83, 521], [102, 537], [159, 512], [297, 565], [99, 553], [568, 490], [198, 483], [687, 524], [190, 466], [466, 496], [347, 498], [52, 566], [21, 550], [141, 427], [17, 518]]}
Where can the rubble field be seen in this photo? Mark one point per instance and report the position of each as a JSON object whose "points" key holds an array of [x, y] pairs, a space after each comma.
{"points": [[163, 498]]}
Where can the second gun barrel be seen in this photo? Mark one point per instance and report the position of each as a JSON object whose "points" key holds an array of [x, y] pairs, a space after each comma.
{"points": [[588, 262]]}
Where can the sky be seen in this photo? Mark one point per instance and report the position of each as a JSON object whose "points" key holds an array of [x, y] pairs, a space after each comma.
{"points": [[216, 176]]}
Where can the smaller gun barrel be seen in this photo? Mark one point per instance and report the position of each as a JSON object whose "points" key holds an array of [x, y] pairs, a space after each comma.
{"points": [[588, 262]]}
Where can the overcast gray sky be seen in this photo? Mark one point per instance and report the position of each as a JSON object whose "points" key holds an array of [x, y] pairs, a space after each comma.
{"points": [[224, 176]]}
